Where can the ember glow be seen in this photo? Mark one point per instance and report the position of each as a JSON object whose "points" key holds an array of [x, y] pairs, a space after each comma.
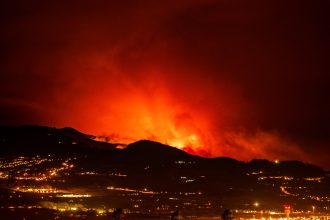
{"points": [[215, 78]]}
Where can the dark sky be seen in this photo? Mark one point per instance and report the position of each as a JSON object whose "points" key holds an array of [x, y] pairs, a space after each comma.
{"points": [[246, 79]]}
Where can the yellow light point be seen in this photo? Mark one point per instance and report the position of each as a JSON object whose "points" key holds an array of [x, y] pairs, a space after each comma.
{"points": [[256, 204], [100, 211], [277, 161]]}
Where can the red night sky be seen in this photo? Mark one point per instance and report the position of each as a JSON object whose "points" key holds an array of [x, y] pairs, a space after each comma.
{"points": [[245, 79]]}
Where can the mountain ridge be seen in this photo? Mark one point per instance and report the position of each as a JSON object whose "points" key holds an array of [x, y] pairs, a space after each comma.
{"points": [[34, 138]]}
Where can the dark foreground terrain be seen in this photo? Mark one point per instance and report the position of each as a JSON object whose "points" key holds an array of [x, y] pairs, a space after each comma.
{"points": [[50, 173]]}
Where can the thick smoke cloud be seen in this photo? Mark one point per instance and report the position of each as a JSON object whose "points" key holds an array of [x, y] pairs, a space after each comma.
{"points": [[246, 79]]}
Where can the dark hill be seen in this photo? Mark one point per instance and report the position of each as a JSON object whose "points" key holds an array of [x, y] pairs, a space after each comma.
{"points": [[146, 149], [32, 139], [285, 168]]}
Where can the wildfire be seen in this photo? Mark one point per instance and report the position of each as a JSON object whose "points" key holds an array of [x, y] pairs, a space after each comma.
{"points": [[157, 118]]}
